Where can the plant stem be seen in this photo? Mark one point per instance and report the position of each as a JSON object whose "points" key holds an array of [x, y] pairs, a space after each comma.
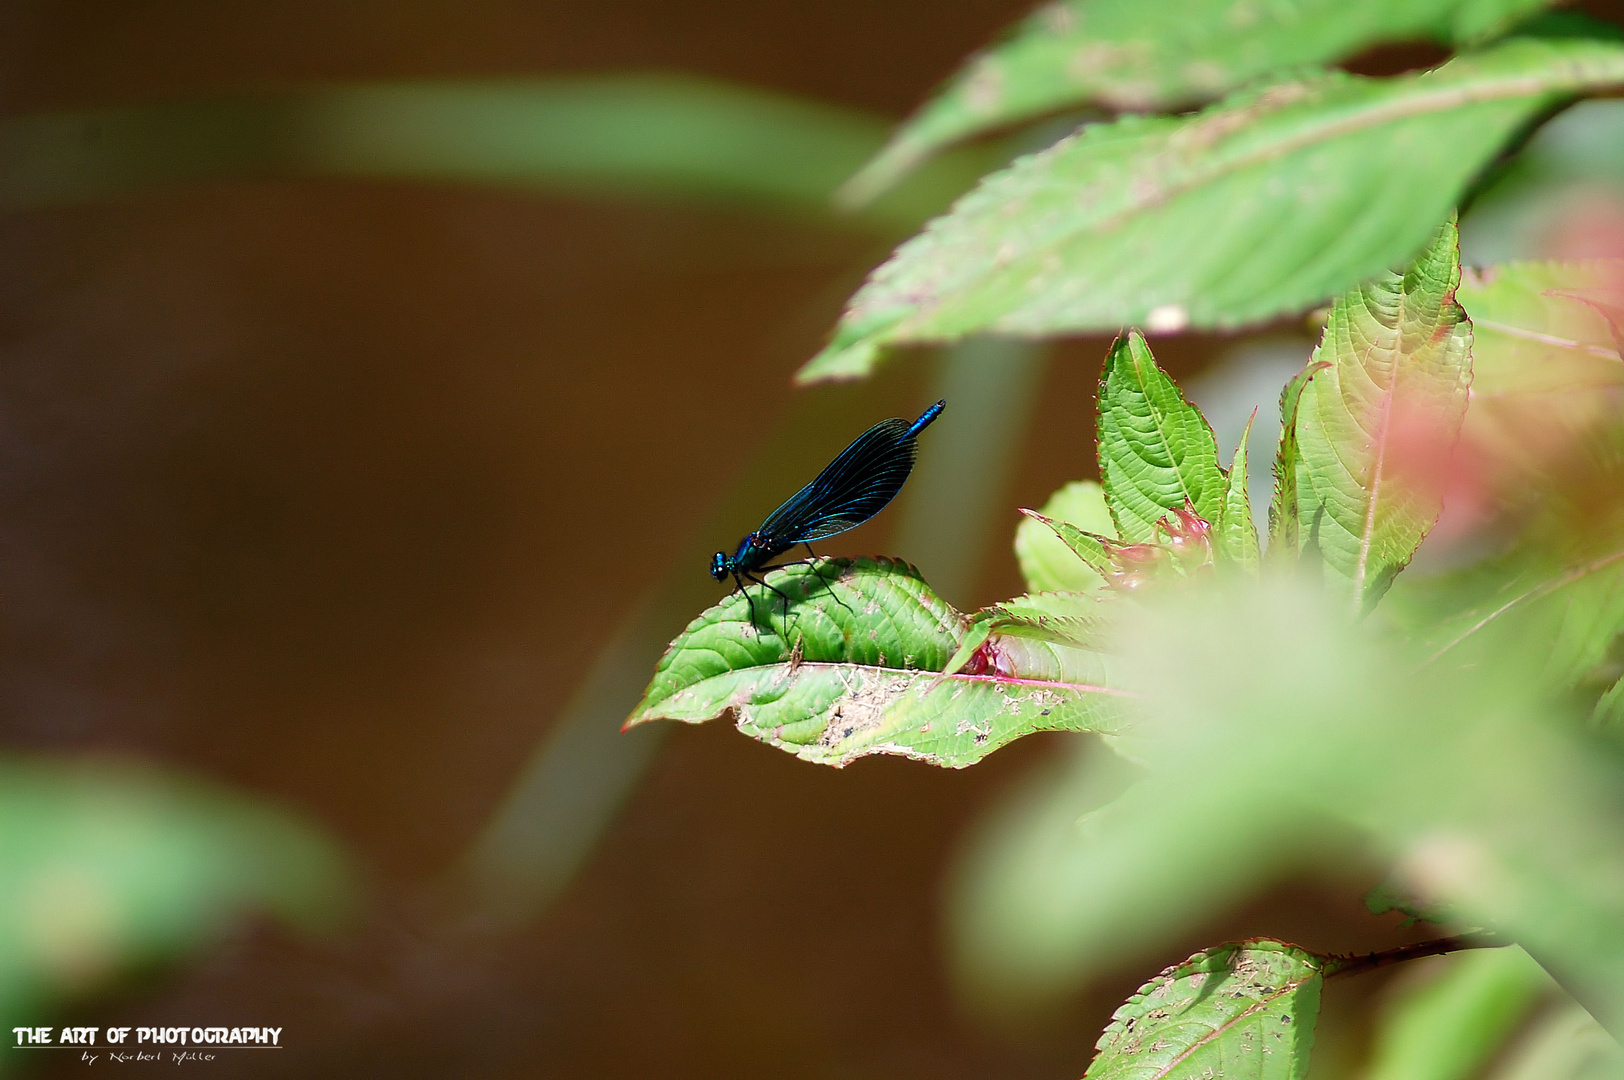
{"points": [[1359, 963]]}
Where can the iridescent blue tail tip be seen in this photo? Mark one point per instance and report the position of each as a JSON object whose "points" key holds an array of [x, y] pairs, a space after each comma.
{"points": [[926, 417]]}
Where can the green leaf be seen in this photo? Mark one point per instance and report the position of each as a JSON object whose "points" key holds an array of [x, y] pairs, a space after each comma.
{"points": [[1267, 203], [1061, 618], [856, 668], [1284, 529], [1560, 619], [106, 867], [1084, 547], [1156, 449], [1047, 563], [1139, 57], [1448, 1027], [1237, 533], [1243, 1011], [1376, 427], [1608, 714], [1545, 362], [1388, 896]]}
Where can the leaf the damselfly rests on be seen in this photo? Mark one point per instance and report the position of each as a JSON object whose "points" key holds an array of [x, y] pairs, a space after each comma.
{"points": [[856, 666], [1267, 203], [1377, 426]]}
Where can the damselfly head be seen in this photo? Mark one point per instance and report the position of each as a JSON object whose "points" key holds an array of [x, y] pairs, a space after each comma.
{"points": [[719, 566]]}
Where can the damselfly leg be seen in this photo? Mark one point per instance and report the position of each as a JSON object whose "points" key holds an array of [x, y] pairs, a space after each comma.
{"points": [[782, 596], [827, 582]]}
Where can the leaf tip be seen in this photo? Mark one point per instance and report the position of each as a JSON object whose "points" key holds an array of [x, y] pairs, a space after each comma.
{"points": [[840, 361], [881, 172]]}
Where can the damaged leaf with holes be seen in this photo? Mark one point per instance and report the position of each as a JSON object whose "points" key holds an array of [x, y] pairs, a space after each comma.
{"points": [[1244, 1011], [860, 664]]}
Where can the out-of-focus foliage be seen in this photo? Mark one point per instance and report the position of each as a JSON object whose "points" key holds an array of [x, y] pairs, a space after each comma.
{"points": [[1570, 172], [1275, 199], [105, 866], [1448, 1026], [1131, 55], [1275, 734], [618, 136], [1565, 1044], [1547, 372]]}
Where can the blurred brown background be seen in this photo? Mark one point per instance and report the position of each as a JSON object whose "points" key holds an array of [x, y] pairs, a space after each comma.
{"points": [[333, 490]]}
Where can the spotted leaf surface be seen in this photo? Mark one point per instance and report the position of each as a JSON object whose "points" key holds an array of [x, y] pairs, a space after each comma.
{"points": [[856, 666], [1244, 1011]]}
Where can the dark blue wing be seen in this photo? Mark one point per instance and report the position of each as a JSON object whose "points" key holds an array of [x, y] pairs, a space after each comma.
{"points": [[853, 488]]}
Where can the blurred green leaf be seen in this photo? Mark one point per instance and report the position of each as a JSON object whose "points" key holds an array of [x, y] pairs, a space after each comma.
{"points": [[1556, 620], [105, 865], [856, 666], [1546, 393], [1376, 426], [1269, 202], [1277, 736], [1237, 534], [1157, 452], [1545, 362], [1564, 1044], [1608, 715], [621, 136], [1447, 1027], [1243, 1011], [1136, 56], [1388, 896], [1047, 564]]}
